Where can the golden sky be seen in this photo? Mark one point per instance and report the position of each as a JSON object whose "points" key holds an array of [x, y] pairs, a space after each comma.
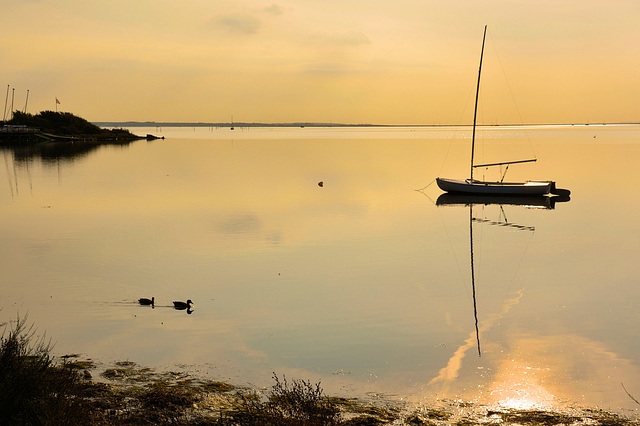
{"points": [[391, 62]]}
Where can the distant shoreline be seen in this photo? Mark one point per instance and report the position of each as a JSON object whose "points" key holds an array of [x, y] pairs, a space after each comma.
{"points": [[112, 124]]}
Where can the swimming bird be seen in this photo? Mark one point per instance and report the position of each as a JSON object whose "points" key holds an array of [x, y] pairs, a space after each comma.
{"points": [[183, 305], [145, 301]]}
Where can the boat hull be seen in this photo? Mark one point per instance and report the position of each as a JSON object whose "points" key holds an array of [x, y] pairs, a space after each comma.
{"points": [[468, 186]]}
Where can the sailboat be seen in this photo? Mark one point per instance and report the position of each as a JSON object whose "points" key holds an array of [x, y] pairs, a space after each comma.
{"points": [[474, 186]]}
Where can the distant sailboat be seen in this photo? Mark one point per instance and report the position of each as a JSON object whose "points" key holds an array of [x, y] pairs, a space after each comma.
{"points": [[232, 128], [473, 186]]}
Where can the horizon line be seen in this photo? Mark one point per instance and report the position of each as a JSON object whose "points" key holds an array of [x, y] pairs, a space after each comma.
{"points": [[132, 123]]}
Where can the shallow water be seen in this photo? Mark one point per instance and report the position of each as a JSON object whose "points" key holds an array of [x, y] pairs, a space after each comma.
{"points": [[363, 283]]}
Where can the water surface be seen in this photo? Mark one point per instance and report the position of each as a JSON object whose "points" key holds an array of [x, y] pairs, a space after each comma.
{"points": [[363, 283]]}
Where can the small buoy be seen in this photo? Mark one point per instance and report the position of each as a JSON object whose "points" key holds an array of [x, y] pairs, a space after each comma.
{"points": [[321, 184]]}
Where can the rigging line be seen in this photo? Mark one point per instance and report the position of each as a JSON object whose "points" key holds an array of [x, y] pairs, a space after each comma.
{"points": [[421, 190], [505, 173], [526, 249], [513, 98], [455, 131], [481, 237], [504, 215], [461, 276], [481, 135], [428, 185]]}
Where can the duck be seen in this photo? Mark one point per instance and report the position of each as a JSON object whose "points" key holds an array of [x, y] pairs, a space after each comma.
{"points": [[145, 301], [182, 305]]}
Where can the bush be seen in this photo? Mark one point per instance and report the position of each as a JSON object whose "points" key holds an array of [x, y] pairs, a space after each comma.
{"points": [[66, 124], [56, 122], [33, 391], [292, 404]]}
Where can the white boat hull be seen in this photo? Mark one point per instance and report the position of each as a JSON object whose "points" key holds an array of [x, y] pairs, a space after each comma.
{"points": [[468, 186]]}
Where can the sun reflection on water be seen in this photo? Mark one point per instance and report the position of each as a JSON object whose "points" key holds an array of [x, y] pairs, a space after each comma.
{"points": [[521, 387], [555, 375]]}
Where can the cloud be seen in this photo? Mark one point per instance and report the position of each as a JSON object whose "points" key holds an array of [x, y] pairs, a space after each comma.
{"points": [[274, 9], [336, 54], [237, 24], [450, 372]]}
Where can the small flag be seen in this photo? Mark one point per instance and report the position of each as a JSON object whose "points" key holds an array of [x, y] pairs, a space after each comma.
{"points": [[57, 101]]}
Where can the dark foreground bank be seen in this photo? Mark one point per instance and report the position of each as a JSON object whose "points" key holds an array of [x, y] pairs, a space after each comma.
{"points": [[36, 389]]}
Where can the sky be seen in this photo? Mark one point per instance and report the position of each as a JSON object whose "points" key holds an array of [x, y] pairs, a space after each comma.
{"points": [[377, 62]]}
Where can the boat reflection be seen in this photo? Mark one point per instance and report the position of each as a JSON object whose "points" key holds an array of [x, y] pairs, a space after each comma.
{"points": [[469, 200], [540, 201]]}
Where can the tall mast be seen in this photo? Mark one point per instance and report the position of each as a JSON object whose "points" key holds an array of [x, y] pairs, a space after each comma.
{"points": [[26, 102], [475, 111], [4, 116], [13, 93]]}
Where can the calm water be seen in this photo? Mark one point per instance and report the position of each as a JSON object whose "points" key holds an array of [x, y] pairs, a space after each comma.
{"points": [[364, 283]]}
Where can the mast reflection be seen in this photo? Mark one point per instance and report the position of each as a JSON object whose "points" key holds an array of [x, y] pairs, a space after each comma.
{"points": [[469, 200]]}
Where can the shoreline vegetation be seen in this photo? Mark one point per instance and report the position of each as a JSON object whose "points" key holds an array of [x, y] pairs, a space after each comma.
{"points": [[37, 389], [49, 127]]}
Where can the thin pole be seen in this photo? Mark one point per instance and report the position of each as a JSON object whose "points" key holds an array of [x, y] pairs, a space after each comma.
{"points": [[475, 111], [507, 163], [26, 102], [4, 116], [13, 93]]}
